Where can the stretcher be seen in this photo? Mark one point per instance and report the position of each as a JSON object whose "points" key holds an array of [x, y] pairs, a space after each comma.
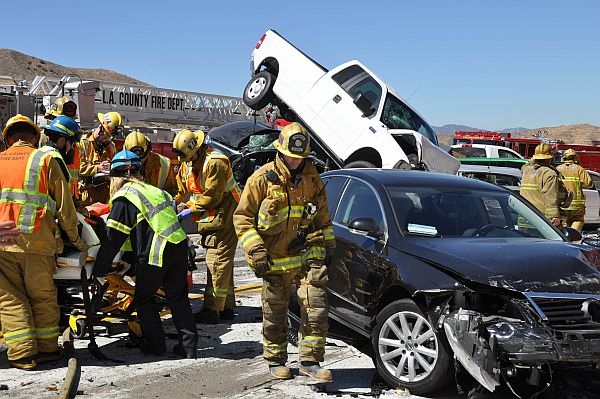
{"points": [[87, 302]]}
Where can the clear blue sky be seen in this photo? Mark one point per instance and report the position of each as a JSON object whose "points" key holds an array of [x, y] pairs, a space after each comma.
{"points": [[482, 63]]}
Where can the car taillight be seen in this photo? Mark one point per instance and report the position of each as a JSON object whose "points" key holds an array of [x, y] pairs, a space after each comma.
{"points": [[260, 41]]}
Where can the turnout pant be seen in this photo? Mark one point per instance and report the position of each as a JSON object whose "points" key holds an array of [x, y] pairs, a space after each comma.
{"points": [[172, 276], [310, 283], [574, 218], [220, 252], [28, 306]]}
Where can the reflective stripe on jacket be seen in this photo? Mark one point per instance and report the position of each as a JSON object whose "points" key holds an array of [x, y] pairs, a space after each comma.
{"points": [[24, 195], [575, 179], [542, 186], [156, 207]]}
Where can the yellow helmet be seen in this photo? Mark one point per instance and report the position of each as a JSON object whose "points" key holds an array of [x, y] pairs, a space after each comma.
{"points": [[138, 143], [58, 108], [542, 151], [293, 141], [570, 154], [110, 121], [23, 122], [187, 143]]}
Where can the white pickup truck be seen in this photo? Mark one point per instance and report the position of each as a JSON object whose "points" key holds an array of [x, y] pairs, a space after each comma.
{"points": [[482, 151], [355, 116]]}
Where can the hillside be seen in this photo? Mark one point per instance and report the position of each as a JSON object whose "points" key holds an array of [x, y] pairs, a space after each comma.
{"points": [[21, 66]]}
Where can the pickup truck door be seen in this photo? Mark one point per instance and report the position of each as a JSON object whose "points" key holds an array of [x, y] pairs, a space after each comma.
{"points": [[340, 122]]}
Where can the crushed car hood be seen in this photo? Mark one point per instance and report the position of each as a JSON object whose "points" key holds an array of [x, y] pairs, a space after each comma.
{"points": [[524, 265], [235, 134]]}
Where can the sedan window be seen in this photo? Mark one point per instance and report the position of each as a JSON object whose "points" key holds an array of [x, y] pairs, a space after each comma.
{"points": [[359, 201], [333, 186], [449, 212]]}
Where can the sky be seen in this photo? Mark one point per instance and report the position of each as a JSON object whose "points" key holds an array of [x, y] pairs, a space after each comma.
{"points": [[485, 64]]}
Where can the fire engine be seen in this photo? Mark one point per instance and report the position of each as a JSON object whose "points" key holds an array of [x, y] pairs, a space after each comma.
{"points": [[589, 155], [157, 112]]}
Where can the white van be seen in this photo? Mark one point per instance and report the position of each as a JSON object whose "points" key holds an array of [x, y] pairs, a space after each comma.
{"points": [[356, 117]]}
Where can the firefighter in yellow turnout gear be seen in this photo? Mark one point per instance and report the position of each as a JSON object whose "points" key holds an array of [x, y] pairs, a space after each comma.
{"points": [[284, 227], [542, 186], [34, 195], [209, 194], [156, 168], [575, 179]]}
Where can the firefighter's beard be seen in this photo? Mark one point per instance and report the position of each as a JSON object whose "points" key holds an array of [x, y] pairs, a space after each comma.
{"points": [[67, 156]]}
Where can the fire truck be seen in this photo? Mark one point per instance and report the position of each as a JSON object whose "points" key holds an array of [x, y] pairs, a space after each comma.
{"points": [[157, 112], [589, 155]]}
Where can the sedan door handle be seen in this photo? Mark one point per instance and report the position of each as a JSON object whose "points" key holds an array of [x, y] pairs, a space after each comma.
{"points": [[337, 98]]}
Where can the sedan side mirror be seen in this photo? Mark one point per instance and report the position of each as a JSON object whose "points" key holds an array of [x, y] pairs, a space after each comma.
{"points": [[572, 234], [365, 227]]}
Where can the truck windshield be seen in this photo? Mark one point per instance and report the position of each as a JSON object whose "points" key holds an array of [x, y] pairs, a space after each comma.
{"points": [[397, 115]]}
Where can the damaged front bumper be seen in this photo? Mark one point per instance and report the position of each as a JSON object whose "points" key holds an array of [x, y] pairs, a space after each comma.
{"points": [[557, 329]]}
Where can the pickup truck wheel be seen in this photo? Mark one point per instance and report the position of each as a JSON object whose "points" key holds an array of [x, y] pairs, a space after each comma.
{"points": [[259, 90], [408, 351], [359, 164]]}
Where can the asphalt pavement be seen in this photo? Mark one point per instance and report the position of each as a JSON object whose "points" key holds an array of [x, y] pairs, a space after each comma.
{"points": [[229, 363]]}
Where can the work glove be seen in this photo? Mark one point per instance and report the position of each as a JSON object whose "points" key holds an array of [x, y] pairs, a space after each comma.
{"points": [[184, 214], [315, 238], [82, 247], [261, 261], [181, 206]]}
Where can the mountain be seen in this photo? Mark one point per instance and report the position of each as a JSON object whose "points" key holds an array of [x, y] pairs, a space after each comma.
{"points": [[21, 66], [450, 129]]}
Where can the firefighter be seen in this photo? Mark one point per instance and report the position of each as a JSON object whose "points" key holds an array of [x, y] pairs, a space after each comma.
{"points": [[35, 196], [575, 179], [541, 184], [62, 106], [96, 149], [63, 133], [284, 227], [206, 175], [156, 168], [145, 215]]}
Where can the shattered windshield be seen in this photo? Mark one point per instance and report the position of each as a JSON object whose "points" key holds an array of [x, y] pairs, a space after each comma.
{"points": [[397, 115], [451, 212]]}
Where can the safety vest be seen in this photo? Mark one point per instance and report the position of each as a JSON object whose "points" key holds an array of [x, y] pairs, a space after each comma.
{"points": [[156, 207], [197, 184], [56, 155], [73, 169], [24, 195]]}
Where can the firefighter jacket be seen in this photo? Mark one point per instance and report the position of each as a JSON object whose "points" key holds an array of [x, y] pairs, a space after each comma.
{"points": [[157, 172], [575, 178], [91, 154], [74, 172], [542, 186], [145, 215], [54, 153], [214, 192], [35, 194], [271, 209]]}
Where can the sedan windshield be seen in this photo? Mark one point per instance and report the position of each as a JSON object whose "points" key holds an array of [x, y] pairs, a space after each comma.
{"points": [[453, 212]]}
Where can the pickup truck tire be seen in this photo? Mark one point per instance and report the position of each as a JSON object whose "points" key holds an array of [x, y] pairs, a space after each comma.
{"points": [[359, 164], [259, 90]]}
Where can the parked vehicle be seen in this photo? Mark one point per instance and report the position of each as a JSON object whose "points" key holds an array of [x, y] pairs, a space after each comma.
{"points": [[503, 162], [482, 151], [428, 267], [354, 115], [511, 178]]}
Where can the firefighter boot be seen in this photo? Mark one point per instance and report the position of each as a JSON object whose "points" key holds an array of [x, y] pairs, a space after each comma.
{"points": [[227, 314], [280, 371], [315, 371], [24, 363], [45, 357], [207, 316]]}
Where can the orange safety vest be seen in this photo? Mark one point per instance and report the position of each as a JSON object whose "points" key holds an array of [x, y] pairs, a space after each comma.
{"points": [[196, 184], [24, 195], [73, 169]]}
